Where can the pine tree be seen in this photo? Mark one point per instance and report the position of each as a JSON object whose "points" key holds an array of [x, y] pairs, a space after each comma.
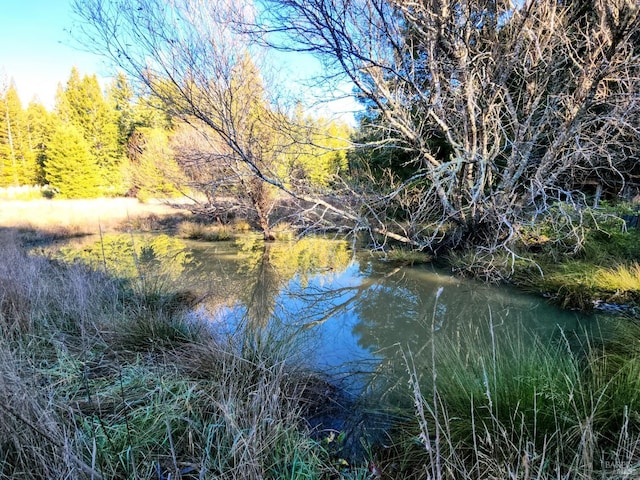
{"points": [[40, 127], [82, 104], [17, 160], [154, 170], [133, 110], [70, 168], [121, 96]]}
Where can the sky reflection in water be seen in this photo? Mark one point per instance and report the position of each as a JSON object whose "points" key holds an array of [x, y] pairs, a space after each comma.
{"points": [[349, 313]]}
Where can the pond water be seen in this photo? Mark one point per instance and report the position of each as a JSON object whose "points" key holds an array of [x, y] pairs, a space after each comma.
{"points": [[369, 325], [350, 314]]}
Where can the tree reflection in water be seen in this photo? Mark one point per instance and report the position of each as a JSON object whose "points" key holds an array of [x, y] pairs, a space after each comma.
{"points": [[351, 313]]}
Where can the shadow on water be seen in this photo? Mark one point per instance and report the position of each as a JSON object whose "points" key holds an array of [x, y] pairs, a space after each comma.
{"points": [[354, 317]]}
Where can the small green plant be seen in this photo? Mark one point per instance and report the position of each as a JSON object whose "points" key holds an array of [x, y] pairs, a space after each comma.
{"points": [[403, 256]]}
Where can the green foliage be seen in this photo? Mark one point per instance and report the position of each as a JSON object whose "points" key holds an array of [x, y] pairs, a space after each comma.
{"points": [[71, 169], [610, 243], [41, 127], [622, 278], [322, 156], [82, 104], [107, 126], [134, 111], [154, 173], [18, 157], [489, 405]]}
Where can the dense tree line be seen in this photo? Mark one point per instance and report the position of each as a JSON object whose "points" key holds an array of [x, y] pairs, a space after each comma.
{"points": [[76, 150], [119, 142]]}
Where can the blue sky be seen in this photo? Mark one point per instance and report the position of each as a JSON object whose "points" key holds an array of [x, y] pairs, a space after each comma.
{"points": [[36, 51]]}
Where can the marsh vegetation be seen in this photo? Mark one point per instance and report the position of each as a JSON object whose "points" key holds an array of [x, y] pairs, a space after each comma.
{"points": [[490, 137], [107, 373]]}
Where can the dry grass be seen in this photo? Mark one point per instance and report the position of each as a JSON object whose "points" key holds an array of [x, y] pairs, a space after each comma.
{"points": [[34, 439], [77, 217], [97, 382], [207, 232]]}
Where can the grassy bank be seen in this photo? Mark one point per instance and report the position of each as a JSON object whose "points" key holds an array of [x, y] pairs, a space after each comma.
{"points": [[102, 380], [512, 408], [594, 265]]}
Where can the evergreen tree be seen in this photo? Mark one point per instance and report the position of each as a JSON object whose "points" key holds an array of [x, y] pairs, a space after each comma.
{"points": [[322, 154], [71, 168], [82, 104], [121, 96], [154, 170], [17, 160], [136, 116], [40, 126]]}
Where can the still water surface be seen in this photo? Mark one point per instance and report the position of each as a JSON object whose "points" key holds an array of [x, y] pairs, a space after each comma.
{"points": [[351, 314]]}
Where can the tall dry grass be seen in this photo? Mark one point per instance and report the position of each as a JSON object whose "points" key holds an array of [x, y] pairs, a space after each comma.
{"points": [[95, 382], [80, 217]]}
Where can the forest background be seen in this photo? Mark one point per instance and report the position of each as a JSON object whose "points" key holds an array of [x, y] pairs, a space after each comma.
{"points": [[114, 143]]}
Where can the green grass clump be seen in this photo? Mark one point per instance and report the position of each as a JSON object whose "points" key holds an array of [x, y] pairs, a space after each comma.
{"points": [[284, 231], [486, 406], [205, 232], [403, 256], [622, 278], [582, 284]]}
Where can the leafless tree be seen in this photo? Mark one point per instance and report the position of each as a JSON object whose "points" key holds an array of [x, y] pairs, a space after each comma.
{"points": [[194, 58], [500, 108]]}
